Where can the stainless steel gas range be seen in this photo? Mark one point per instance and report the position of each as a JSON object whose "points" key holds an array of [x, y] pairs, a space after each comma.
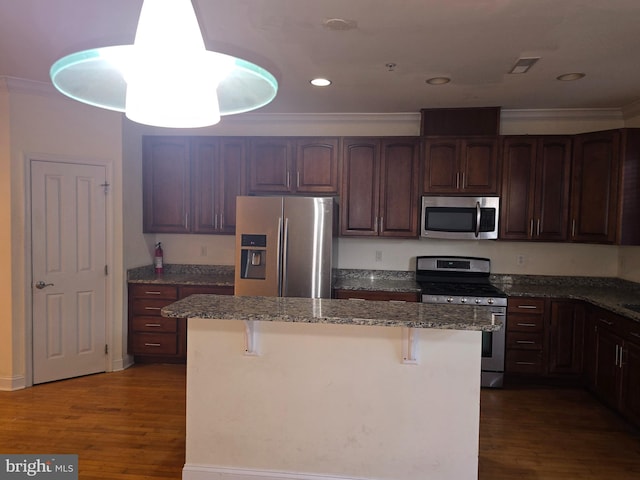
{"points": [[465, 281]]}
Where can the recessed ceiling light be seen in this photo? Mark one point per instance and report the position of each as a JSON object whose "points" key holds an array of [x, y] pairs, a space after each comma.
{"points": [[524, 64], [569, 77], [339, 24], [438, 80], [320, 82]]}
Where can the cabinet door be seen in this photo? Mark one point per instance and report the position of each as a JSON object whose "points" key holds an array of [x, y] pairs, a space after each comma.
{"points": [[607, 370], [552, 189], [594, 187], [479, 172], [360, 187], [441, 170], [566, 338], [206, 183], [270, 164], [518, 183], [399, 187], [630, 395], [166, 188], [232, 157], [317, 166]]}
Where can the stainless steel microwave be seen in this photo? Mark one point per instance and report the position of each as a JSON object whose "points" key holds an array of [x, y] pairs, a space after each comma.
{"points": [[460, 218]]}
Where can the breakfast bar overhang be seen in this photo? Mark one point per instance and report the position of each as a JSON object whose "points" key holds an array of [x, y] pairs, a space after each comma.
{"points": [[293, 388]]}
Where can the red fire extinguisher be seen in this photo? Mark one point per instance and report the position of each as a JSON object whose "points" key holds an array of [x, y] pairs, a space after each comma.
{"points": [[157, 259]]}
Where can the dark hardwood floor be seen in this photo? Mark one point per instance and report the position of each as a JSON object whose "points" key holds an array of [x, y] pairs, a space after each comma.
{"points": [[130, 425]]}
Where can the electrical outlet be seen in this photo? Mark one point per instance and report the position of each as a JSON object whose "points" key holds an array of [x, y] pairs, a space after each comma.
{"points": [[520, 259], [203, 250], [378, 255]]}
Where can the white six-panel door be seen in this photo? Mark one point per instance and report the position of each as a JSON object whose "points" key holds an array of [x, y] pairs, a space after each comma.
{"points": [[68, 261]]}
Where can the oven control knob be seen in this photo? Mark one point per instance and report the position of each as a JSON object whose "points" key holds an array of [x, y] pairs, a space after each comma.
{"points": [[463, 300], [449, 299], [478, 301], [490, 301]]}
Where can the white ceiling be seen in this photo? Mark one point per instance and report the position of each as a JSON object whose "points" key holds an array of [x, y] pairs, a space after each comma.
{"points": [[475, 42]]}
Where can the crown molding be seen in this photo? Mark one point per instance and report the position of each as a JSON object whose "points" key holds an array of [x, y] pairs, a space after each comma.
{"points": [[564, 114], [25, 86]]}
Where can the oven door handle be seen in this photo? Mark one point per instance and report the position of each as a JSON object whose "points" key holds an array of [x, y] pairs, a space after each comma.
{"points": [[478, 216]]}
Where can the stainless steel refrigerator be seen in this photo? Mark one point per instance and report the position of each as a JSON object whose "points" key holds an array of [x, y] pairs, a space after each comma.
{"points": [[284, 246]]}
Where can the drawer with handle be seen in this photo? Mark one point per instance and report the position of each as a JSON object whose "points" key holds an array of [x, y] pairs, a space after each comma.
{"points": [[155, 324], [525, 305], [155, 344], [153, 307], [154, 291], [524, 361], [524, 340]]}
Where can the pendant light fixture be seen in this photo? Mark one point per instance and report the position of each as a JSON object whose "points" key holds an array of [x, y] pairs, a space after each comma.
{"points": [[166, 78]]}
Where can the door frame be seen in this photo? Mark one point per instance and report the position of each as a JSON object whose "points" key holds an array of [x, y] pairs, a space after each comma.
{"points": [[28, 265]]}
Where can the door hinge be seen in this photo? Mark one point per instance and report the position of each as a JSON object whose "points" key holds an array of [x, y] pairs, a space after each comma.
{"points": [[106, 186], [106, 349], [106, 270]]}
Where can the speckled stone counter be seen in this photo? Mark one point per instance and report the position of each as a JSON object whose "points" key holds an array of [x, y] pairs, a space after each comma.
{"points": [[218, 275], [376, 280], [349, 312], [609, 293]]}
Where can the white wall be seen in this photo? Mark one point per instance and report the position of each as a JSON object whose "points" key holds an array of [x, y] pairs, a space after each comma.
{"points": [[46, 126], [538, 258]]}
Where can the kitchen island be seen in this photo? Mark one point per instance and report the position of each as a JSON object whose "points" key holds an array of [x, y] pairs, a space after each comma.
{"points": [[331, 389]]}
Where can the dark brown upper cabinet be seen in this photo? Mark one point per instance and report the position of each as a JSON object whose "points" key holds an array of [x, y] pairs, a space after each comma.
{"points": [[291, 165], [380, 187], [461, 165], [535, 188]]}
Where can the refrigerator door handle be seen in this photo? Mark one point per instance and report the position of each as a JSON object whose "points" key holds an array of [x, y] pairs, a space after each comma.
{"points": [[285, 259], [279, 257]]}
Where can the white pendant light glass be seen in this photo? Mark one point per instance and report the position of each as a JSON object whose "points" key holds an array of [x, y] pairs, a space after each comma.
{"points": [[167, 78]]}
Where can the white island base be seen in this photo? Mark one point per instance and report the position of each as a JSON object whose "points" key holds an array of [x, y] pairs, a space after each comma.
{"points": [[330, 402]]}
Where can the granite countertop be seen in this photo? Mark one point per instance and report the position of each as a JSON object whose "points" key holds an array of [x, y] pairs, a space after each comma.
{"points": [[610, 294], [215, 275], [351, 312], [376, 280]]}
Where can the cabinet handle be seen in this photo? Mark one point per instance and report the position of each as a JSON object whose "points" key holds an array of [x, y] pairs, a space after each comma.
{"points": [[186, 221], [573, 227], [526, 324], [152, 293], [606, 322], [297, 179], [222, 220], [538, 229], [152, 344], [621, 352], [617, 349], [152, 325], [288, 179], [531, 228], [462, 179], [153, 308], [525, 363], [381, 224], [457, 180], [528, 307], [525, 342]]}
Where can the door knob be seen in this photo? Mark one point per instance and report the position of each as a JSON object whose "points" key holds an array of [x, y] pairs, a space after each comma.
{"points": [[40, 285]]}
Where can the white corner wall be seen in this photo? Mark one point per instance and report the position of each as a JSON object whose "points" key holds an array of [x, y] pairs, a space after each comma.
{"points": [[47, 126]]}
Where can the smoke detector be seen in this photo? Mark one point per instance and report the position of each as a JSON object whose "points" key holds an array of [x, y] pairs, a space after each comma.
{"points": [[339, 24]]}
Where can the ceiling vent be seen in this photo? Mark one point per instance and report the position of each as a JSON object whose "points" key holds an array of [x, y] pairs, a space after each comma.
{"points": [[524, 64]]}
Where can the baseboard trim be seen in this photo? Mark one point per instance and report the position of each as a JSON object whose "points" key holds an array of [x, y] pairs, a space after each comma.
{"points": [[9, 384], [210, 472]]}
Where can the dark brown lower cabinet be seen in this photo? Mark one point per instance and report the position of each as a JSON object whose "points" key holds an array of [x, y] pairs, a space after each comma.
{"points": [[545, 339], [152, 337], [615, 368], [376, 295]]}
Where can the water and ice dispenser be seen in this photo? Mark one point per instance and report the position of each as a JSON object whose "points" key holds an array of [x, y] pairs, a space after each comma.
{"points": [[253, 256]]}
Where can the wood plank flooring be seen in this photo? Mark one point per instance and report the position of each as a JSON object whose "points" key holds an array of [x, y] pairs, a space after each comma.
{"points": [[131, 425]]}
